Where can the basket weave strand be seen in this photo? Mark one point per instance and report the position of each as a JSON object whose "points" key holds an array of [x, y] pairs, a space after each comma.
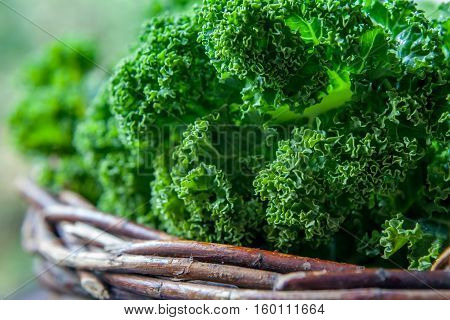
{"points": [[89, 253]]}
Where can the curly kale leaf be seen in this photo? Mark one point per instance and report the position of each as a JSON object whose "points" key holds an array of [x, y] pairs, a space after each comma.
{"points": [[119, 170], [68, 173], [423, 241], [424, 252], [360, 158], [394, 235], [98, 132], [206, 193], [443, 22], [165, 203], [126, 188], [275, 123], [44, 122], [414, 36], [318, 179], [61, 65], [250, 40], [423, 244], [167, 80], [166, 83], [290, 50]]}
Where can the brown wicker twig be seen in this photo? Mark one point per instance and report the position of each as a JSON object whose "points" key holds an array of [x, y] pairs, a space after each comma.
{"points": [[166, 289], [208, 271], [245, 257], [35, 195], [65, 281], [56, 212], [58, 279], [83, 230], [92, 235], [181, 268], [103, 221], [369, 278], [88, 281], [227, 254]]}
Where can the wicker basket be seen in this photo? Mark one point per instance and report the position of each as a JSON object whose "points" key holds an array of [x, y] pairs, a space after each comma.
{"points": [[85, 252]]}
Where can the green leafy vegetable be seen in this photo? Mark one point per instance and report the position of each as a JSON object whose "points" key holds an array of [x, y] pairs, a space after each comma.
{"points": [[44, 123], [315, 127]]}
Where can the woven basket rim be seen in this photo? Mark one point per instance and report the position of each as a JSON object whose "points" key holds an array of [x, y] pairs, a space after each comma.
{"points": [[86, 252]]}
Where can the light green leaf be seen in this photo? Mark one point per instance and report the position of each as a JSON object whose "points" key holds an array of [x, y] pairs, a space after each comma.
{"points": [[395, 235], [310, 31], [373, 46]]}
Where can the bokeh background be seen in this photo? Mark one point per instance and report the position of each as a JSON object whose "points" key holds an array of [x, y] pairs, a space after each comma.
{"points": [[113, 24], [26, 26]]}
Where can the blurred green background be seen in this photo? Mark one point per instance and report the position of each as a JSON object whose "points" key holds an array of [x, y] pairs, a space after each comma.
{"points": [[26, 26], [113, 24]]}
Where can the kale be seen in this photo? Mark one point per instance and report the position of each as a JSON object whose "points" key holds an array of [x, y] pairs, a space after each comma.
{"points": [[290, 125], [44, 122]]}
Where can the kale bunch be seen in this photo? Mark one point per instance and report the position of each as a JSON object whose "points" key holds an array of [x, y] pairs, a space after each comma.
{"points": [[314, 127], [369, 82], [44, 122]]}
